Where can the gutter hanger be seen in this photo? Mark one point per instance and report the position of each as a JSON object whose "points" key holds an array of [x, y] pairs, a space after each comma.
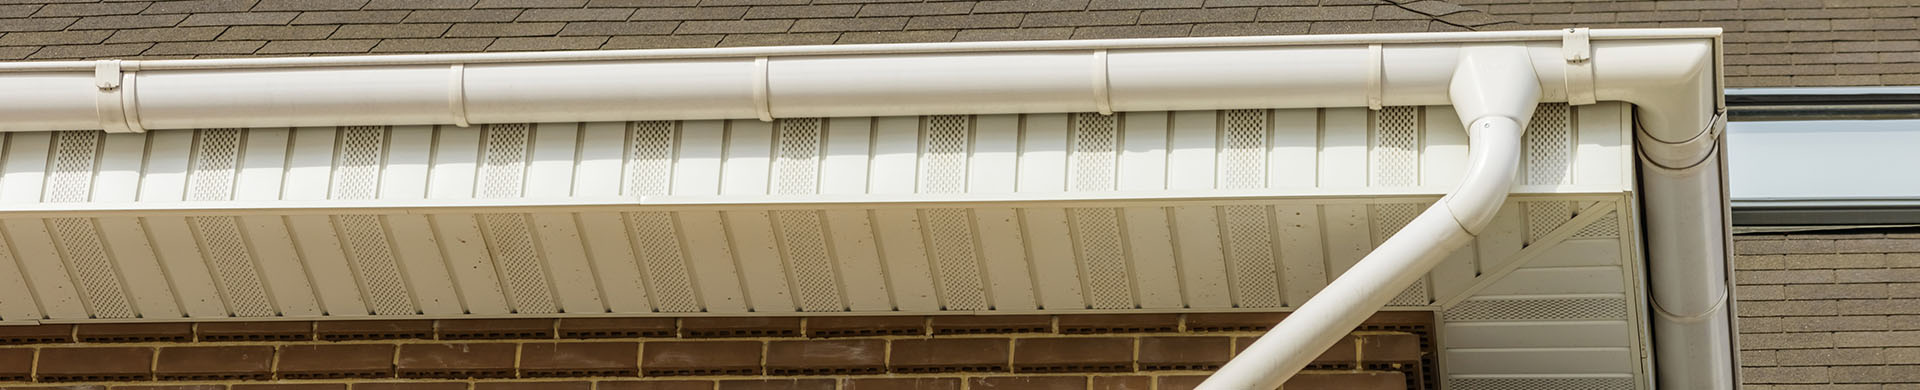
{"points": [[1494, 90]]}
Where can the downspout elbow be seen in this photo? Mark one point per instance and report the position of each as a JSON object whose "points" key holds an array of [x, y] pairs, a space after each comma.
{"points": [[1494, 89]]}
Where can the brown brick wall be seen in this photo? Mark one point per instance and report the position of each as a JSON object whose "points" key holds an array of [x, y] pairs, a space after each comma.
{"points": [[1829, 311], [1769, 43], [1078, 352]]}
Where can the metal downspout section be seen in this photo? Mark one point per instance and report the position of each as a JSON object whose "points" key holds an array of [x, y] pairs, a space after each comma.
{"points": [[1494, 90], [1686, 213]]}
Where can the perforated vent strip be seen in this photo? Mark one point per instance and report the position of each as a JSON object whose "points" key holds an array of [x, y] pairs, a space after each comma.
{"points": [[216, 155], [511, 241], [1243, 155], [367, 241], [510, 236], [87, 259], [71, 180], [1103, 257], [1544, 216], [1608, 226], [1539, 309], [806, 250], [797, 172], [1256, 279], [1389, 218], [1095, 152], [797, 168], [74, 154], [1415, 295], [650, 158], [657, 241], [215, 158], [1513, 383], [943, 167], [234, 266], [1396, 143], [1549, 144], [357, 173], [951, 238], [505, 167]]}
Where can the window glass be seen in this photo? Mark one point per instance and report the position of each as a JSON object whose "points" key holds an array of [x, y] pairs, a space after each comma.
{"points": [[1839, 159]]}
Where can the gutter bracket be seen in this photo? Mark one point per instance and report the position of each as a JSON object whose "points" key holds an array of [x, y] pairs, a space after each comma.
{"points": [[1376, 77], [1577, 50], [1102, 84], [762, 97], [115, 97], [457, 94]]}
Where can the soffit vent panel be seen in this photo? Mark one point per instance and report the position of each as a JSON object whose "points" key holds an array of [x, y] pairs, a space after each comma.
{"points": [[1165, 211]]}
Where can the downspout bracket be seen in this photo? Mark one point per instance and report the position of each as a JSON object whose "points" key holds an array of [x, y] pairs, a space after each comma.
{"points": [[1577, 50]]}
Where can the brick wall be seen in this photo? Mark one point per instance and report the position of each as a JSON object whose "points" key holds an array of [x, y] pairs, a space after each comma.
{"points": [[1082, 352], [1829, 311]]}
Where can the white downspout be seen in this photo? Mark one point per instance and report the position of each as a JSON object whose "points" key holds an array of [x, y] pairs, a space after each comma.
{"points": [[1494, 90]]}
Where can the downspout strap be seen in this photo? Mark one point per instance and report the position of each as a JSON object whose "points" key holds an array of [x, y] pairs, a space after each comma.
{"points": [[1682, 155], [1576, 49]]}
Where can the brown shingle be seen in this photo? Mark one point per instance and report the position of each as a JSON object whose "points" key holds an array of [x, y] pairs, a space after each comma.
{"points": [[662, 41], [618, 28], [308, 5], [35, 24], [54, 38], [331, 17], [1211, 15], [547, 43], [420, 4], [196, 6], [117, 22], [568, 15], [1144, 4], [504, 29], [531, 4], [95, 9], [364, 31], [734, 27], [1092, 18], [680, 14], [803, 11], [277, 32], [1314, 14], [964, 21], [239, 18], [860, 24], [462, 16], [91, 51], [1005, 6], [318, 47], [737, 40], [916, 9], [429, 45]]}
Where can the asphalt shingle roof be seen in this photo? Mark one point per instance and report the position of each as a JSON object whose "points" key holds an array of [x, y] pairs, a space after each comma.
{"points": [[83, 29], [1769, 42]]}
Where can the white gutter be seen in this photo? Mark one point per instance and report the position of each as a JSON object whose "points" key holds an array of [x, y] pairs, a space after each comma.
{"points": [[1669, 74]]}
